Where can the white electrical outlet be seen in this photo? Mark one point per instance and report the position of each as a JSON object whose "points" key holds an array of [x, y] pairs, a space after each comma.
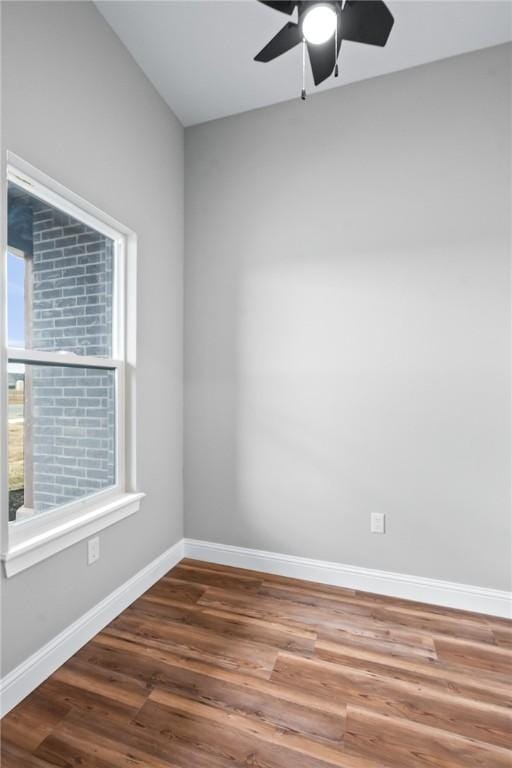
{"points": [[378, 522], [93, 550]]}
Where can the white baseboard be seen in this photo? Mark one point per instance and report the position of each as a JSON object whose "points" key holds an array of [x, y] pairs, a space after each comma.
{"points": [[450, 594], [32, 672]]}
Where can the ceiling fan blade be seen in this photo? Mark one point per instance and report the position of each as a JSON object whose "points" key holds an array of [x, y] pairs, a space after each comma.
{"points": [[287, 37], [284, 6], [366, 21], [323, 58]]}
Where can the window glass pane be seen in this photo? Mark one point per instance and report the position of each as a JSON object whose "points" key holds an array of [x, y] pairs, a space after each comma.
{"points": [[16, 289], [61, 435], [60, 279]]}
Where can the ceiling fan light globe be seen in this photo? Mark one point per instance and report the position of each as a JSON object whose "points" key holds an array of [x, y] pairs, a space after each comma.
{"points": [[319, 24]]}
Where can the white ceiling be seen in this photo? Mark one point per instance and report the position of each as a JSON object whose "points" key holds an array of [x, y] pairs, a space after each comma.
{"points": [[199, 53]]}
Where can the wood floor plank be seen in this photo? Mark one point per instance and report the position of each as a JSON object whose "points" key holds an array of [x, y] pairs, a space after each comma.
{"points": [[195, 642], [267, 633], [264, 741], [268, 707], [414, 605], [474, 655], [267, 577], [204, 578], [408, 745], [386, 640], [157, 745], [415, 702], [88, 744], [175, 590], [486, 687], [109, 694], [385, 614], [32, 720], [363, 598], [270, 608], [503, 636], [285, 606], [219, 667], [211, 744], [12, 756], [166, 658]]}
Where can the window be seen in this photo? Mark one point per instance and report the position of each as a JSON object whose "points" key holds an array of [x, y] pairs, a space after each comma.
{"points": [[67, 344]]}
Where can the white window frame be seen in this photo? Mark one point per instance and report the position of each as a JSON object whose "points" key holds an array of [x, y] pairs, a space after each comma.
{"points": [[29, 541]]}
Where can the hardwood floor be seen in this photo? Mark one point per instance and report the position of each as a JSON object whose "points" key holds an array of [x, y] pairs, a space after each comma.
{"points": [[216, 667]]}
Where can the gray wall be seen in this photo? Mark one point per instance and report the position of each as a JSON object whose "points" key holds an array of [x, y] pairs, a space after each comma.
{"points": [[113, 141], [347, 327]]}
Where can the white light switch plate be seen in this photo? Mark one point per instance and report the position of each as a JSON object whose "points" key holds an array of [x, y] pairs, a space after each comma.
{"points": [[93, 550], [378, 522]]}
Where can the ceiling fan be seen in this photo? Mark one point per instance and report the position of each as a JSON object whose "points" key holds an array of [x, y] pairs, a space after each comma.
{"points": [[321, 26]]}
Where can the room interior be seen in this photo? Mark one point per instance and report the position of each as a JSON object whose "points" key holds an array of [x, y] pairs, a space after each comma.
{"points": [[256, 423]]}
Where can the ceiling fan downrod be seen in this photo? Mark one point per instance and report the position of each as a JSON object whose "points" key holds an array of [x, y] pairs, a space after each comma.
{"points": [[303, 92], [336, 71]]}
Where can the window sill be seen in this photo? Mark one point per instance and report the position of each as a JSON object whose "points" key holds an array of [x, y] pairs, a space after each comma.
{"points": [[36, 547]]}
